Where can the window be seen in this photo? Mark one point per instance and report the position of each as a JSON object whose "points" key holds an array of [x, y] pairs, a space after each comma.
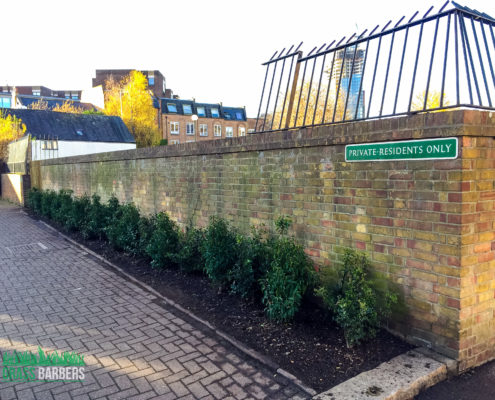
{"points": [[217, 130], [67, 95], [250, 130], [5, 102], [227, 115], [187, 109], [75, 96], [151, 80], [175, 142], [190, 128], [36, 92], [242, 131], [201, 112], [174, 128], [229, 131], [238, 115], [203, 130], [172, 108], [214, 113], [164, 87]]}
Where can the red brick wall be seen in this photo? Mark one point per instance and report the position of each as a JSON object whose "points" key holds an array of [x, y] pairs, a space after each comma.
{"points": [[427, 225]]}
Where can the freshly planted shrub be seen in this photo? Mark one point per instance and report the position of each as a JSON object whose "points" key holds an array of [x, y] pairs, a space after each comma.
{"points": [[164, 242], [356, 304], [96, 220], [190, 257], [62, 207], [219, 251], [146, 228], [123, 229], [290, 275], [34, 200], [253, 261], [49, 203], [77, 217]]}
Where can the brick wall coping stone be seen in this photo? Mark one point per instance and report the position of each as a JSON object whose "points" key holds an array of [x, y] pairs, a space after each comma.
{"points": [[462, 122]]}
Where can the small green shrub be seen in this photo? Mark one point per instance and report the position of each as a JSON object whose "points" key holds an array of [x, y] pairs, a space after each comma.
{"points": [[62, 207], [146, 227], [190, 257], [96, 219], [78, 214], [356, 304], [290, 275], [219, 251], [163, 142], [164, 242], [34, 200], [123, 229], [253, 261], [49, 203]]}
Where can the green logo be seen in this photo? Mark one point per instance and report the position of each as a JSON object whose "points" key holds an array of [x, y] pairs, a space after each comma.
{"points": [[426, 149], [42, 366]]}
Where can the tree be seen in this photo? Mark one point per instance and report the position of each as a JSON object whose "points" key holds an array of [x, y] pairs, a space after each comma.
{"points": [[432, 102], [130, 100], [41, 104], [11, 128], [68, 107]]}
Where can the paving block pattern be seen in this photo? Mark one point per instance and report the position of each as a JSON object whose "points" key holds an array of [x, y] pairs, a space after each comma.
{"points": [[58, 297]]}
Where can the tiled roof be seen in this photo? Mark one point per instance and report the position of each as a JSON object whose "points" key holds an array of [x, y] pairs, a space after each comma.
{"points": [[229, 113], [76, 127]]}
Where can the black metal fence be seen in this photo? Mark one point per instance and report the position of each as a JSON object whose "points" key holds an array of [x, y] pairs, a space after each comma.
{"points": [[436, 62]]}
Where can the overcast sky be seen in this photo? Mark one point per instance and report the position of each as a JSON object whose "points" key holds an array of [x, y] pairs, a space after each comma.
{"points": [[209, 50]]}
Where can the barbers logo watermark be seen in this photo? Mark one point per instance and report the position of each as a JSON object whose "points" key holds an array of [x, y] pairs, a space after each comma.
{"points": [[42, 366]]}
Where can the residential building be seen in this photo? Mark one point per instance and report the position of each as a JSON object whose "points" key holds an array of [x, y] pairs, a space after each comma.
{"points": [[348, 69], [25, 96], [57, 134], [156, 80], [189, 121]]}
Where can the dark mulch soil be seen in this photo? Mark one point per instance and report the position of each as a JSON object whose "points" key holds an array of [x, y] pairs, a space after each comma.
{"points": [[312, 347]]}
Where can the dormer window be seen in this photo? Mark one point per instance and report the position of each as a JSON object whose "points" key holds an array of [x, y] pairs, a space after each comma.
{"points": [[187, 109], [36, 92], [238, 115], [172, 107], [214, 113], [201, 112]]}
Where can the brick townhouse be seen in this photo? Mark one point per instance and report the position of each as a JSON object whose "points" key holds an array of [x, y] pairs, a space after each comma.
{"points": [[188, 121]]}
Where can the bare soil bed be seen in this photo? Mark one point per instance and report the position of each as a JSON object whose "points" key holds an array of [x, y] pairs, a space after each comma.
{"points": [[311, 347]]}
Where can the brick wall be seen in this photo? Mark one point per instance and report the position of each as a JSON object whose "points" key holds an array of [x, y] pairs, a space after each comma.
{"points": [[14, 187], [427, 225]]}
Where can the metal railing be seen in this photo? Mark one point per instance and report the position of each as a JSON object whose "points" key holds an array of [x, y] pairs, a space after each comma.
{"points": [[434, 63]]}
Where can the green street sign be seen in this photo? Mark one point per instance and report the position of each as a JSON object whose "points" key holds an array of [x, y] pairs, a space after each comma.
{"points": [[425, 149]]}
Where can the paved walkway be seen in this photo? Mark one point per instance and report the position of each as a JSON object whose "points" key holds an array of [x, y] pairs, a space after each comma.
{"points": [[55, 296]]}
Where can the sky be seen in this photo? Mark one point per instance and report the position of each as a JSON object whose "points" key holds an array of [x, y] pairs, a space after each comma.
{"points": [[208, 50]]}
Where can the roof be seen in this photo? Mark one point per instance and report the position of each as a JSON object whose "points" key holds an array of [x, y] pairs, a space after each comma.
{"points": [[76, 127], [230, 113], [52, 102]]}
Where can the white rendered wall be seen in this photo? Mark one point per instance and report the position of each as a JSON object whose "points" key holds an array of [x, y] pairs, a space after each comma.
{"points": [[73, 148]]}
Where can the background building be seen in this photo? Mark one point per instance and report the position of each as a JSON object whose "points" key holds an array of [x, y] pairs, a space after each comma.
{"points": [[55, 134], [156, 80], [345, 59], [188, 121]]}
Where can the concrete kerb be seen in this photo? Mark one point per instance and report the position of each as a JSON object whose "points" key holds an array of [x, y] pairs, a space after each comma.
{"points": [[265, 361], [401, 378]]}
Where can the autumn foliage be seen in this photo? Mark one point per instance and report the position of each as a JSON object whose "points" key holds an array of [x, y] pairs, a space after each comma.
{"points": [[11, 128], [131, 100]]}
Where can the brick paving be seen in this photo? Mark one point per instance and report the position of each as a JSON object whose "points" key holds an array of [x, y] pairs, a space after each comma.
{"points": [[54, 295]]}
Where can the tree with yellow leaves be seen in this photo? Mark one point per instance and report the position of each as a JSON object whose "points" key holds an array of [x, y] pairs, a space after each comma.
{"points": [[11, 128], [432, 102], [131, 100], [67, 106]]}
